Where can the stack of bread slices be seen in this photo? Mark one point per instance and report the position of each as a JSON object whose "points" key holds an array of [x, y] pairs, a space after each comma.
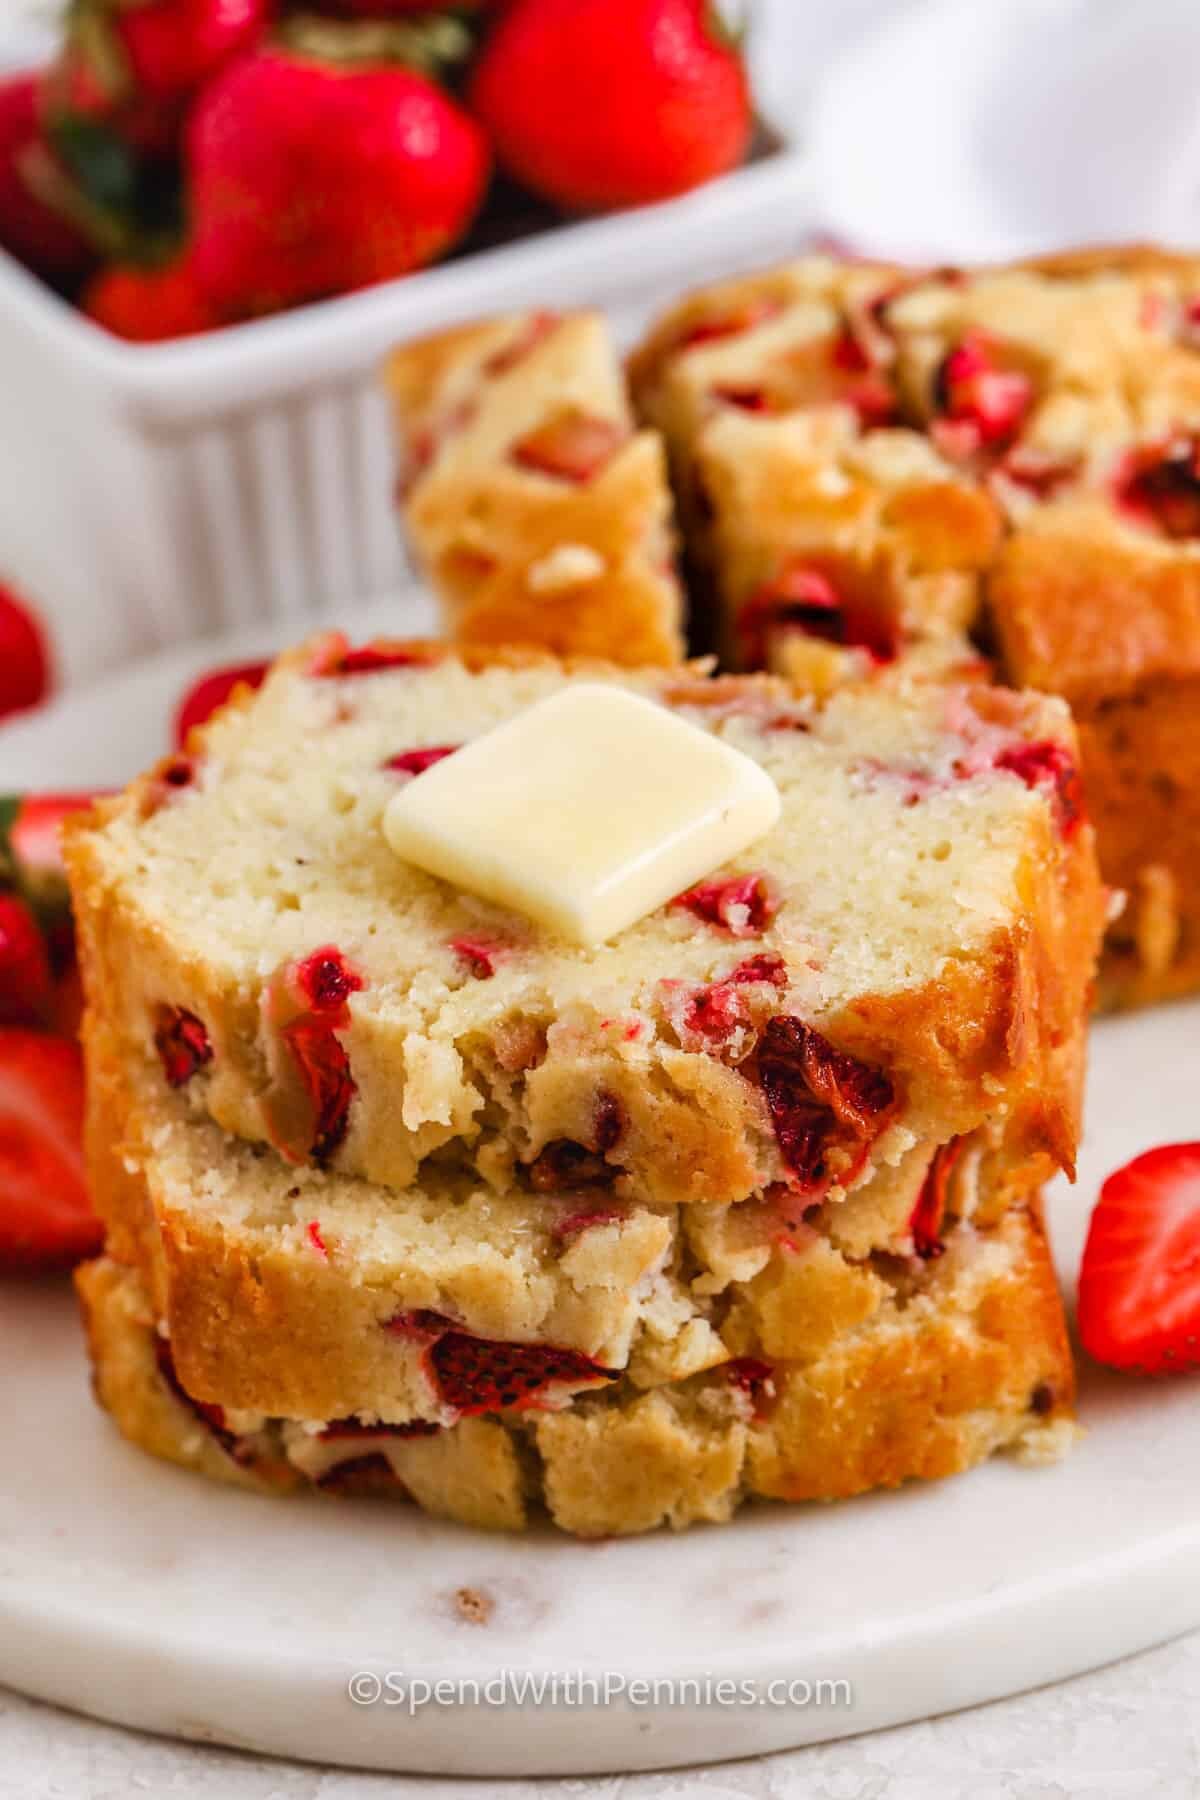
{"points": [[407, 1193]]}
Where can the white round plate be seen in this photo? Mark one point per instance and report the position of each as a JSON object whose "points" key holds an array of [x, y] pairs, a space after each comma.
{"points": [[142, 1594], [964, 131]]}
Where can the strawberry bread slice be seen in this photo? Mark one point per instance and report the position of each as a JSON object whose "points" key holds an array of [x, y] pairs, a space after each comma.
{"points": [[904, 958], [869, 459], [964, 1354], [318, 1295], [541, 514]]}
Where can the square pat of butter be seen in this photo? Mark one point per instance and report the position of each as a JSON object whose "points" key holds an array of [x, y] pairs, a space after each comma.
{"points": [[585, 812]]}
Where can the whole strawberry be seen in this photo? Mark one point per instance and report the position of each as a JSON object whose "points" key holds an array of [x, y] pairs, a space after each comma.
{"points": [[24, 657], [603, 103], [135, 64], [307, 180], [31, 225], [148, 306]]}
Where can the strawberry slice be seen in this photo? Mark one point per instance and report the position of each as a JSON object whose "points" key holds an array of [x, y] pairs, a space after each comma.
{"points": [[572, 446], [46, 1219], [211, 692], [25, 979], [479, 1375], [1139, 1284]]}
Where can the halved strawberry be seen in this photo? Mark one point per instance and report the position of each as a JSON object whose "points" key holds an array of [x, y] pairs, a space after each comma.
{"points": [[212, 691], [25, 979], [46, 1219], [573, 446], [1139, 1283]]}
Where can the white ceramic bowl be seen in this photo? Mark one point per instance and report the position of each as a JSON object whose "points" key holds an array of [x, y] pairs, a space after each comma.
{"points": [[153, 494]]}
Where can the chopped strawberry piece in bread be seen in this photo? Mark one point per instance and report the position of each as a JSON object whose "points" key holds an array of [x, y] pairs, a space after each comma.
{"points": [[804, 599], [729, 324], [1049, 766], [481, 955], [608, 1122], [209, 1415], [754, 1378], [325, 980], [183, 1045], [1159, 485], [324, 1070], [1139, 1283], [308, 1003], [415, 762], [337, 656], [980, 405], [710, 1014], [826, 1107], [479, 1375], [535, 330], [742, 905], [566, 1164], [26, 984], [572, 447], [46, 1218], [211, 692], [929, 1213]]}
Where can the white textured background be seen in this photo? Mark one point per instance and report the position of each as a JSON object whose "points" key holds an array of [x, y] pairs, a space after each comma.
{"points": [[1127, 1731]]}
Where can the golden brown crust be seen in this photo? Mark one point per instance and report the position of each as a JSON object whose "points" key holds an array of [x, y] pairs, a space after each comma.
{"points": [[518, 552], [1091, 615], [976, 1359], [925, 1403]]}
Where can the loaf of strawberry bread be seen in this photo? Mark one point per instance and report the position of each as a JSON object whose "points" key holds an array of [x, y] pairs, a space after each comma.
{"points": [[903, 959], [540, 513], [870, 458]]}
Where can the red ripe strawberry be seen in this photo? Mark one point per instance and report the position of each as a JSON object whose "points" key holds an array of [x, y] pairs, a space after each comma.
{"points": [[149, 306], [601, 103], [24, 657], [25, 980], [1139, 1284], [174, 46], [134, 65], [31, 225], [31, 855], [211, 692], [46, 1220], [307, 180]]}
